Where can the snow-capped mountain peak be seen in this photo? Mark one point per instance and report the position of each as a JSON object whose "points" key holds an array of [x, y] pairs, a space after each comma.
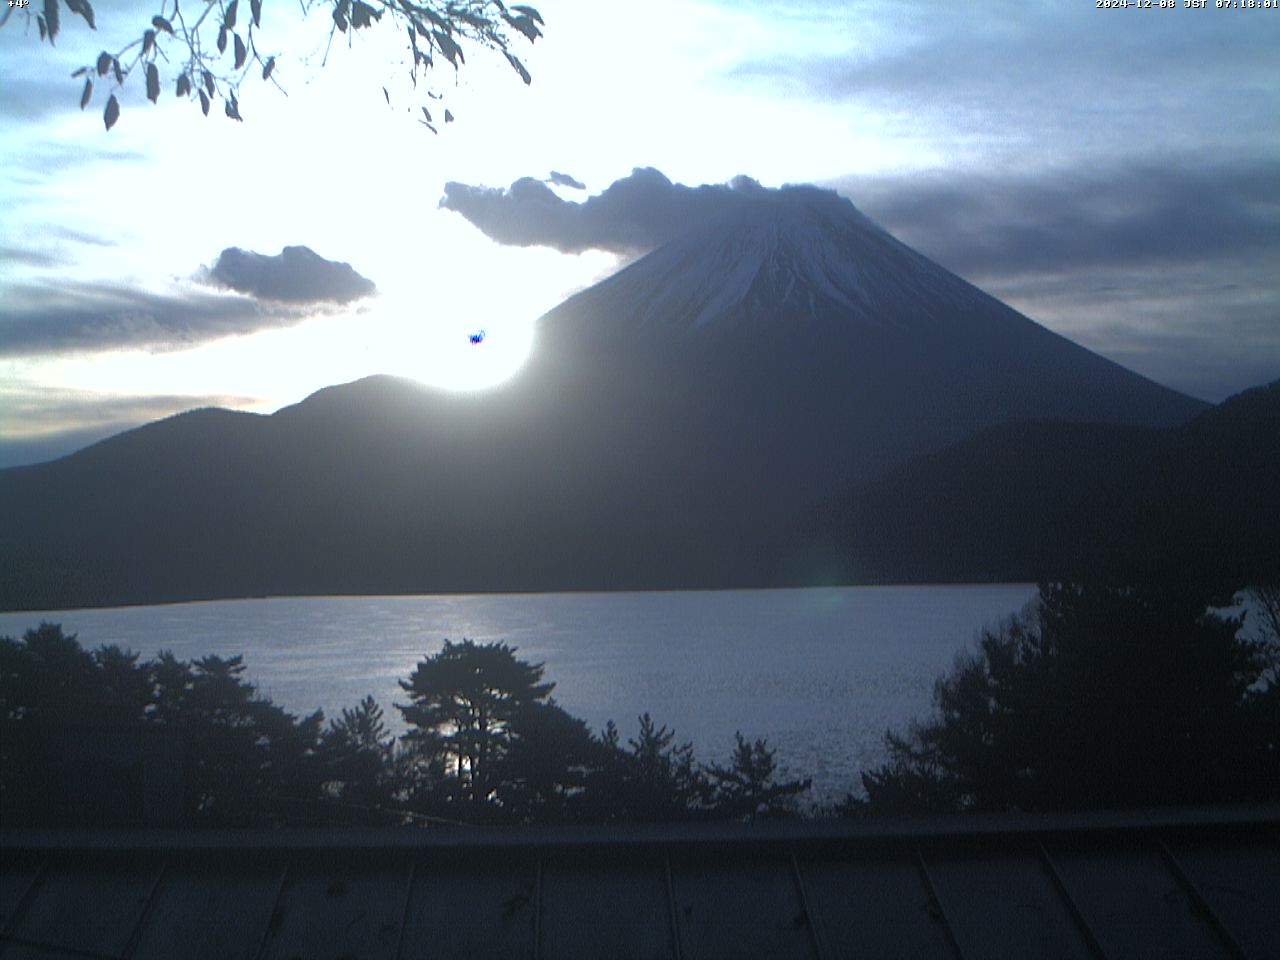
{"points": [[800, 256]]}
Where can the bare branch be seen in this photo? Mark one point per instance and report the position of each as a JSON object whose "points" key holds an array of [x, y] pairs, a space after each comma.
{"points": [[443, 27]]}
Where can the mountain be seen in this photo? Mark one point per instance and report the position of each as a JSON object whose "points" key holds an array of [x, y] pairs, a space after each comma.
{"points": [[676, 426], [1049, 500], [811, 348]]}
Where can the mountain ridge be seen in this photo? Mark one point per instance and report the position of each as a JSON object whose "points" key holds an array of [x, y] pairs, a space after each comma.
{"points": [[624, 455]]}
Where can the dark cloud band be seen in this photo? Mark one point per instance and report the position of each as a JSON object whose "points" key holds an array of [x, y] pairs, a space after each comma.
{"points": [[1167, 266], [272, 292], [101, 316], [1187, 210]]}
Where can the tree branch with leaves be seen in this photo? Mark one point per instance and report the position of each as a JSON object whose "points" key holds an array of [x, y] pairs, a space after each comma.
{"points": [[208, 52]]}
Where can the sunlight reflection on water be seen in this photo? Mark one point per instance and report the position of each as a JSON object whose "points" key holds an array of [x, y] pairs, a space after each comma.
{"points": [[821, 673]]}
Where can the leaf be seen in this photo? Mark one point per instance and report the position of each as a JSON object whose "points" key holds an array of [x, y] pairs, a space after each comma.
{"points": [[340, 14], [112, 113], [451, 51], [531, 13], [519, 68], [525, 26], [268, 67], [153, 83], [88, 92], [204, 102], [104, 63], [208, 82], [426, 113], [229, 19], [480, 23], [222, 39], [148, 41], [387, 95], [255, 8], [115, 68], [233, 109], [80, 73], [448, 117], [83, 8], [40, 23], [428, 126], [363, 15], [52, 18], [160, 23], [184, 85], [241, 53]]}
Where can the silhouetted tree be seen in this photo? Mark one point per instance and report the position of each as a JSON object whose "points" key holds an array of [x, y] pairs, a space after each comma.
{"points": [[1265, 700], [243, 753], [248, 760], [48, 677], [1265, 599], [747, 789], [543, 775], [652, 779], [356, 755], [464, 701], [1099, 696], [207, 53]]}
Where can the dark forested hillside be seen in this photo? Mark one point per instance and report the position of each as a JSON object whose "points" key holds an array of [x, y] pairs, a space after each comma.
{"points": [[1037, 501]]}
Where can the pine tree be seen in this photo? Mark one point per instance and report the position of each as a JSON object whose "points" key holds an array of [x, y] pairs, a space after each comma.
{"points": [[463, 702]]}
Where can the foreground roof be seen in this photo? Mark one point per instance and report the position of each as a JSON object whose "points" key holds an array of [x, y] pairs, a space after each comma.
{"points": [[1169, 884]]}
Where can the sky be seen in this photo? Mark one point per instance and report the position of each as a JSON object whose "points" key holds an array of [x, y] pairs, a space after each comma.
{"points": [[1113, 174]]}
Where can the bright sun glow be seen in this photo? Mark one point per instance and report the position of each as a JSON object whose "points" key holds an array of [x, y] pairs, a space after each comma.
{"points": [[447, 357], [410, 329]]}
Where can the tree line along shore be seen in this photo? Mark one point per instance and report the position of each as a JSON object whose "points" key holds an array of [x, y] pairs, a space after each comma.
{"points": [[1095, 697]]}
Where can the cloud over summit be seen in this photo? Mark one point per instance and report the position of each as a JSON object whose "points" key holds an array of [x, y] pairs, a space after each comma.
{"points": [[566, 180], [632, 215]]}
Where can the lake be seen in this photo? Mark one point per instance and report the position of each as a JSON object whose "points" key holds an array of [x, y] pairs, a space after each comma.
{"points": [[821, 672]]}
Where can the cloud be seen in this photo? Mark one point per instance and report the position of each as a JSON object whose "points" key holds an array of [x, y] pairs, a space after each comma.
{"points": [[632, 215], [295, 275], [29, 99], [947, 57], [1027, 83], [1208, 330], [29, 258], [1146, 211], [43, 317], [79, 236], [47, 318], [564, 180], [1170, 266]]}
